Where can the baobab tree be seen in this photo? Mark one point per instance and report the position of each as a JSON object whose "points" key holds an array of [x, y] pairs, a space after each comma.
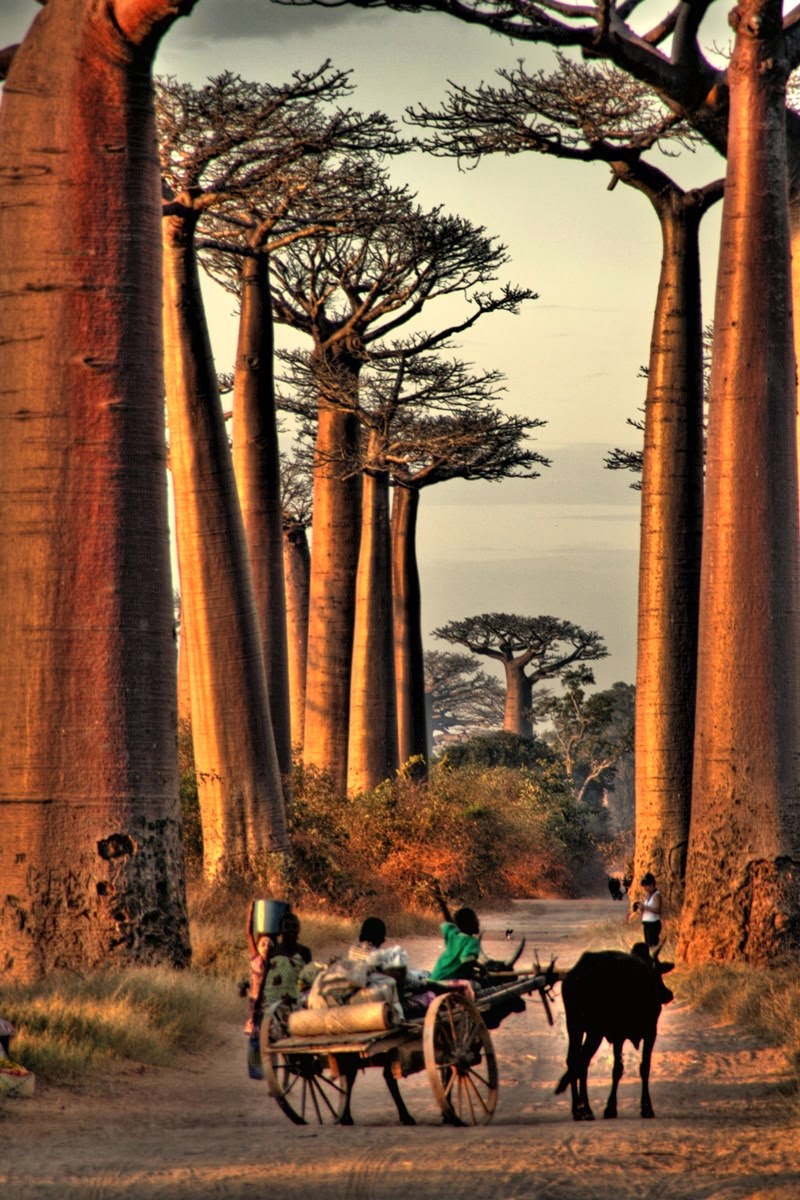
{"points": [[599, 114], [90, 832], [744, 849], [529, 649], [459, 694], [427, 419], [220, 145], [296, 496], [352, 291], [212, 141], [480, 444]]}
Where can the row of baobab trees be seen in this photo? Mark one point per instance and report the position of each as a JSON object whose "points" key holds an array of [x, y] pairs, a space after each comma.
{"points": [[284, 198], [89, 830]]}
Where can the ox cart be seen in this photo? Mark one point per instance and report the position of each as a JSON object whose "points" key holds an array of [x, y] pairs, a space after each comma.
{"points": [[311, 1077]]}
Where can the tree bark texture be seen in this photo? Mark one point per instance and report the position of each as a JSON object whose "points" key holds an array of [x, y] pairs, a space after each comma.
{"points": [[297, 572], [239, 784], [519, 689], [90, 834], [742, 894], [334, 559], [669, 563], [372, 744], [412, 731], [256, 464]]}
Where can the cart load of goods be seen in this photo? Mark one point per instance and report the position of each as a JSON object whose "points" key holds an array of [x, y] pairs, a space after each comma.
{"points": [[354, 995]]}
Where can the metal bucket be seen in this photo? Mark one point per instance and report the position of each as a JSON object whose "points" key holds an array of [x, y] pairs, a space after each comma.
{"points": [[267, 916]]}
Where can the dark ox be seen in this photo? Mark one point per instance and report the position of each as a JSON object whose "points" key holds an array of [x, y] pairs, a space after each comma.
{"points": [[617, 996]]}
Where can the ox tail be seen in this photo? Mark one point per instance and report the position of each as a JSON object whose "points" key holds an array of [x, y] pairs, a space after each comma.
{"points": [[563, 1083]]}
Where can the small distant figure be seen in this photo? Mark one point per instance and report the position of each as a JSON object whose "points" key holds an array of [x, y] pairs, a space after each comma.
{"points": [[649, 908], [615, 888]]}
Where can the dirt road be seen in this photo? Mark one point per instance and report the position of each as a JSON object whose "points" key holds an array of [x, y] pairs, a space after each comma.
{"points": [[724, 1129]]}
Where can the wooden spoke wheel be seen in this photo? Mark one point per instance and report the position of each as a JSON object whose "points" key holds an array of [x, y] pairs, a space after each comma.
{"points": [[460, 1060], [304, 1085]]}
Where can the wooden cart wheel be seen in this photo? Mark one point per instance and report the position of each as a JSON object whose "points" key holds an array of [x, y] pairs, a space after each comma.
{"points": [[304, 1085], [460, 1060]]}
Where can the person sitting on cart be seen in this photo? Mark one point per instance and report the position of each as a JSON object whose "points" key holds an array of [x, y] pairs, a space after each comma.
{"points": [[462, 957], [462, 945]]}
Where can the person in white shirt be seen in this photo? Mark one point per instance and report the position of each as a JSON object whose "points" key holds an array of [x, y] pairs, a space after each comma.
{"points": [[650, 909]]}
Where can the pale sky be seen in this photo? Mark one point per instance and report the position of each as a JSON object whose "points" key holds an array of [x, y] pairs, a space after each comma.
{"points": [[567, 543]]}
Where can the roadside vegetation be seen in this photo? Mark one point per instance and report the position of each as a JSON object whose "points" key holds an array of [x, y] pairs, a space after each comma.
{"points": [[763, 1004]]}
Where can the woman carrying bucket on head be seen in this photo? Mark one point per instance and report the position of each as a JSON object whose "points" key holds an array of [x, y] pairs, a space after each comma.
{"points": [[276, 957]]}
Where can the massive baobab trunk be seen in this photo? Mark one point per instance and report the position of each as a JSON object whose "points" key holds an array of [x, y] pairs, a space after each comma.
{"points": [[334, 558], [239, 785], [372, 745], [256, 463], [90, 834], [412, 726], [743, 872], [519, 689], [297, 570], [671, 528]]}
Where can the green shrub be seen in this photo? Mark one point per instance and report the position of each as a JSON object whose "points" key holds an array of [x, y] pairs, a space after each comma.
{"points": [[501, 749]]}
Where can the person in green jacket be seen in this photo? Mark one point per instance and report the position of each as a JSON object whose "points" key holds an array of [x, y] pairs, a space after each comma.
{"points": [[462, 954], [462, 946]]}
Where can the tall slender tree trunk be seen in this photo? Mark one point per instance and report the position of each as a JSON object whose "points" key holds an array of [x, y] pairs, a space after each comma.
{"points": [[239, 785], [256, 463], [334, 558], [372, 746], [669, 563], [297, 572], [743, 872], [184, 685], [519, 689], [91, 857], [409, 662]]}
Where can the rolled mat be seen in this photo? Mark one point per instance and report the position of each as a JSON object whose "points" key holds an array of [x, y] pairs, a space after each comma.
{"points": [[342, 1018]]}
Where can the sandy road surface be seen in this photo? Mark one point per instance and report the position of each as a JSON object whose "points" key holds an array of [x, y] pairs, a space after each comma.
{"points": [[724, 1128]]}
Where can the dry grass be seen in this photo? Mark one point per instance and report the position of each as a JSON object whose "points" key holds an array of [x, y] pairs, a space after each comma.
{"points": [[73, 1026], [763, 1003]]}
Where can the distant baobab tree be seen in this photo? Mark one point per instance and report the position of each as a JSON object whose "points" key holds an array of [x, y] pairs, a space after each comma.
{"points": [[426, 418], [529, 649], [459, 694]]}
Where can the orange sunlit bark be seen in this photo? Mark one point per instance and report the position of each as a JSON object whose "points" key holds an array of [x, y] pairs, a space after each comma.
{"points": [[743, 871]]}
